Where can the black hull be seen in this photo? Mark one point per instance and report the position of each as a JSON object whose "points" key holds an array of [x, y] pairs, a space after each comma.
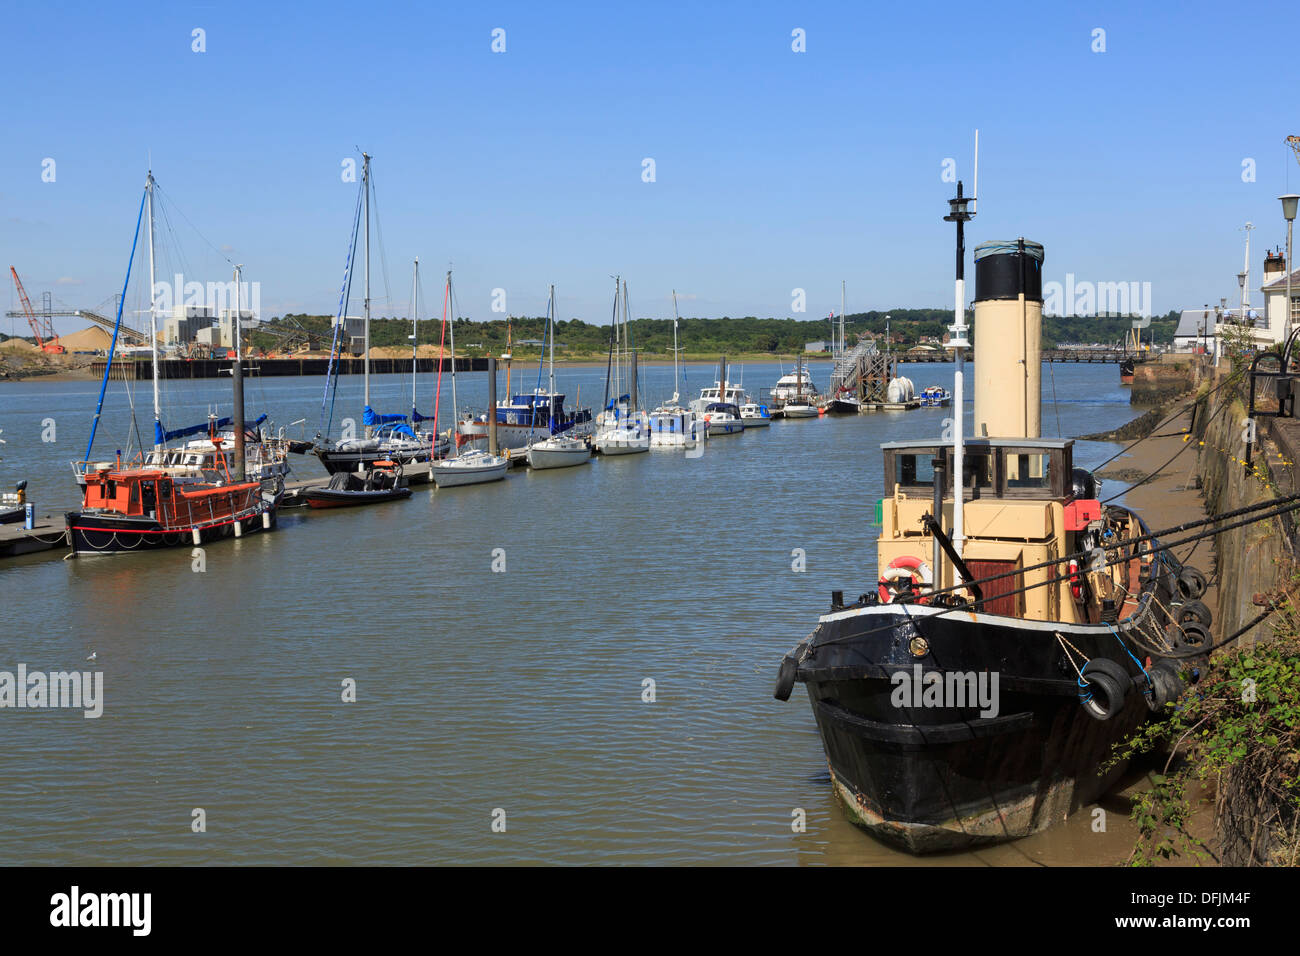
{"points": [[933, 778], [92, 533], [332, 498], [843, 406]]}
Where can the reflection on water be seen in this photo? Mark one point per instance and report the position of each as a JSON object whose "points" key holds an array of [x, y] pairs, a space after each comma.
{"points": [[476, 690]]}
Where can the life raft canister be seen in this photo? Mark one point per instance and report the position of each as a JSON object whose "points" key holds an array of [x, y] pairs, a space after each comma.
{"points": [[903, 567]]}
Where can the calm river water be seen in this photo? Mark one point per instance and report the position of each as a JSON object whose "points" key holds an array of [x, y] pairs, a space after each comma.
{"points": [[476, 691]]}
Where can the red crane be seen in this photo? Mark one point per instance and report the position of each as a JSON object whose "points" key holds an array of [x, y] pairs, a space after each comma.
{"points": [[49, 342]]}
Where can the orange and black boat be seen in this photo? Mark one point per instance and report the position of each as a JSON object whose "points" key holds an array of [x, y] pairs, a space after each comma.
{"points": [[143, 509]]}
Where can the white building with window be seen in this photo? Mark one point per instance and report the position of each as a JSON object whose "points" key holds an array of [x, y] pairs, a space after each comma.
{"points": [[1274, 290]]}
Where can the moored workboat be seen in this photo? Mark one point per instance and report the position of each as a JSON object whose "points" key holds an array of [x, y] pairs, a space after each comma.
{"points": [[935, 396], [144, 509], [161, 502], [973, 695], [754, 415], [722, 418], [380, 483]]}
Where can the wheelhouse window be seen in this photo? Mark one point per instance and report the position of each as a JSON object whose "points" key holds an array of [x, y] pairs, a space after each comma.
{"points": [[914, 469], [1028, 470], [979, 469]]}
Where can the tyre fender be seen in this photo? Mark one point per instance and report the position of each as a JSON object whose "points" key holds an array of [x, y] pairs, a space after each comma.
{"points": [[785, 678], [1104, 688], [1191, 583]]}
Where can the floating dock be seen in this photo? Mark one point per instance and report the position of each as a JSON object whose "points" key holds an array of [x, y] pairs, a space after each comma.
{"points": [[889, 406], [46, 534]]}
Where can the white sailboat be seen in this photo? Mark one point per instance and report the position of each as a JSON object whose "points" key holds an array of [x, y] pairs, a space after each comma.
{"points": [[557, 451], [671, 425], [476, 466], [624, 429]]}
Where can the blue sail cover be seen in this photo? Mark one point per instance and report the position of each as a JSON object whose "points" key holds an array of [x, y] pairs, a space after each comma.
{"points": [[161, 437], [417, 417], [371, 418]]}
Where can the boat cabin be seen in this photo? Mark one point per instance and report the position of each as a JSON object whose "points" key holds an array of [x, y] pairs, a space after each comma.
{"points": [[735, 393], [1019, 510], [148, 493], [994, 468], [538, 410]]}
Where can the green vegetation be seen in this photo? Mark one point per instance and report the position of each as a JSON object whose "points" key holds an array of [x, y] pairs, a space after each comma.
{"points": [[1243, 718], [733, 336]]}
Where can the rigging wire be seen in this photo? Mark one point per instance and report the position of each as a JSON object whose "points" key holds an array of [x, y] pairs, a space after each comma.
{"points": [[340, 321], [181, 212], [379, 241]]}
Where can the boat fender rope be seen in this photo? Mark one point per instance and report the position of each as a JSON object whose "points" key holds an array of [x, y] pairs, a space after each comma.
{"points": [[1145, 673]]}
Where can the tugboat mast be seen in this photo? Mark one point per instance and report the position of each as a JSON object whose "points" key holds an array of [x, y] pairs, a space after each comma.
{"points": [[958, 343]]}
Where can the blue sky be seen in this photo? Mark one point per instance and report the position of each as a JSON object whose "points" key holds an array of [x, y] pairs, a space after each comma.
{"points": [[774, 170]]}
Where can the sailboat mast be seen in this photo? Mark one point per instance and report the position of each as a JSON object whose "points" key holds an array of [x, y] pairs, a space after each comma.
{"points": [[676, 375], [455, 408], [552, 357], [153, 322], [618, 342], [365, 180], [415, 320], [610, 378], [633, 405], [237, 383]]}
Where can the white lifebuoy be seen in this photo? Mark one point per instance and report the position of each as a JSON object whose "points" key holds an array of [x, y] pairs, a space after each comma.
{"points": [[915, 569]]}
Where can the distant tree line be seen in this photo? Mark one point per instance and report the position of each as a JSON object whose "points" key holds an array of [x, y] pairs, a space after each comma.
{"points": [[749, 334]]}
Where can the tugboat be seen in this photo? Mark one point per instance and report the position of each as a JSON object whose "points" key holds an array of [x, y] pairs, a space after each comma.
{"points": [[1016, 628]]}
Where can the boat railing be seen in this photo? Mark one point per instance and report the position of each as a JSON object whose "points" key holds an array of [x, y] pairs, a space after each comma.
{"points": [[204, 506]]}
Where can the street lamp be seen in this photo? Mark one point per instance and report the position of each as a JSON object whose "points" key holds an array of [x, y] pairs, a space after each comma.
{"points": [[1288, 213], [958, 213]]}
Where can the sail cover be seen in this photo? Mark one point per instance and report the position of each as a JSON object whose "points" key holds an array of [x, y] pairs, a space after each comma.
{"points": [[161, 437], [371, 417]]}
